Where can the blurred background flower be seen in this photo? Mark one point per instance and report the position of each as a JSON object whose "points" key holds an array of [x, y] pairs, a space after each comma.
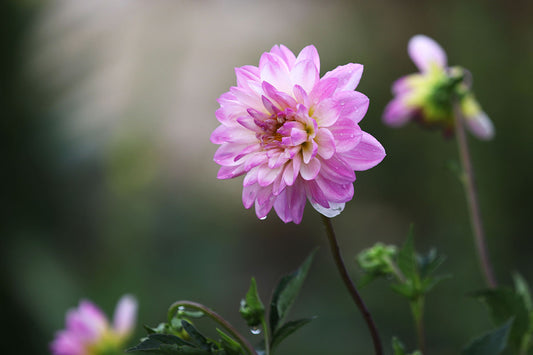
{"points": [[109, 183]]}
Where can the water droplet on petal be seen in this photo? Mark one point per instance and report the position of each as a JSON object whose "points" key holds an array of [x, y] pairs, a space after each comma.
{"points": [[255, 330]]}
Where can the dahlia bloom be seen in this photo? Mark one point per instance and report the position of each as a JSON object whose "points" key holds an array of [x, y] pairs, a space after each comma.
{"points": [[428, 96], [88, 331], [295, 136]]}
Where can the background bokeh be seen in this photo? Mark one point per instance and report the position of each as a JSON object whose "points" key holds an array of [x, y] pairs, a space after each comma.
{"points": [[109, 185]]}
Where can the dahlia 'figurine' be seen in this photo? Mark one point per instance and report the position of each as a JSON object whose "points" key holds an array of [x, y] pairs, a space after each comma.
{"points": [[428, 97], [294, 135], [88, 331]]}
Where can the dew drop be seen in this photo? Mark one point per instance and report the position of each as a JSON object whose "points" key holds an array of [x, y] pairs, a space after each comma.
{"points": [[181, 309], [255, 330]]}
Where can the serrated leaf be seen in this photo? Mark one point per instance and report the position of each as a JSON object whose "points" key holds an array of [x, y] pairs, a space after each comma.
{"points": [[405, 289], [165, 344], [229, 344], [504, 304], [287, 329], [196, 336], [522, 288], [427, 264], [407, 258], [252, 309], [286, 292], [430, 282], [491, 343]]}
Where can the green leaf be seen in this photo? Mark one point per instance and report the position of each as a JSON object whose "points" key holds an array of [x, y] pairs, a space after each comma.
{"points": [[252, 309], [405, 289], [397, 346], [504, 304], [287, 329], [407, 258], [430, 282], [196, 336], [491, 343], [229, 345], [166, 344], [428, 263], [286, 292], [522, 289]]}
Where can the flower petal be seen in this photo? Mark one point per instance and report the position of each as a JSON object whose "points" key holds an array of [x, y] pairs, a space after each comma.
{"points": [[245, 74], [353, 105], [125, 315], [346, 134], [481, 126], [285, 54], [311, 170], [326, 143], [425, 52], [309, 53], [367, 154], [334, 210], [326, 113], [275, 71], [348, 75], [290, 204], [397, 113], [305, 74]]}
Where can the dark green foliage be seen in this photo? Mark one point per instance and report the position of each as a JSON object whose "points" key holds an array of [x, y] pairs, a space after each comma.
{"points": [[287, 329], [399, 348], [252, 309], [285, 293], [491, 343]]}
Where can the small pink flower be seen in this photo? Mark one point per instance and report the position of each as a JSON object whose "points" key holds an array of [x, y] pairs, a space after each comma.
{"points": [[427, 97], [88, 331], [295, 136]]}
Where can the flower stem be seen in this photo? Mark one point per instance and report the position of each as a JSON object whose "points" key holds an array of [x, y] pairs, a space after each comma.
{"points": [[334, 245], [216, 318], [472, 200], [417, 308], [267, 336]]}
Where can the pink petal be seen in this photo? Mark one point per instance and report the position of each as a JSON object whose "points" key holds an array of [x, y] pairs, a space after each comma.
{"points": [[367, 154], [251, 177], [275, 71], [281, 99], [334, 210], [249, 194], [300, 95], [324, 89], [229, 172], [309, 150], [346, 133], [353, 105], [125, 315], [224, 134], [425, 52], [480, 125], [309, 53], [348, 75], [401, 86], [285, 54], [315, 195], [266, 175], [305, 74], [334, 192], [397, 113], [337, 170], [245, 74], [326, 113], [246, 99], [290, 204], [311, 170], [264, 205], [326, 143], [227, 153], [292, 169]]}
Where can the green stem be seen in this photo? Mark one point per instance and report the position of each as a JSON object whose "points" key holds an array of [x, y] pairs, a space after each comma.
{"points": [[216, 318], [266, 335], [417, 308], [335, 250], [472, 200]]}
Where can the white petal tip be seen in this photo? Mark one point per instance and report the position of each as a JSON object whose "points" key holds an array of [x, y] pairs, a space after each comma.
{"points": [[334, 209]]}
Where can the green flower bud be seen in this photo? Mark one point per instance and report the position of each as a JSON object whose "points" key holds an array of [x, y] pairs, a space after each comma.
{"points": [[377, 260]]}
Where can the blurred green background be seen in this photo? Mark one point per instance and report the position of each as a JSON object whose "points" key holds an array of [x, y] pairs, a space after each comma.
{"points": [[109, 185]]}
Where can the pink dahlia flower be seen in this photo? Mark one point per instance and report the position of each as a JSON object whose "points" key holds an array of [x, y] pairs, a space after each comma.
{"points": [[88, 331], [295, 136], [428, 96]]}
